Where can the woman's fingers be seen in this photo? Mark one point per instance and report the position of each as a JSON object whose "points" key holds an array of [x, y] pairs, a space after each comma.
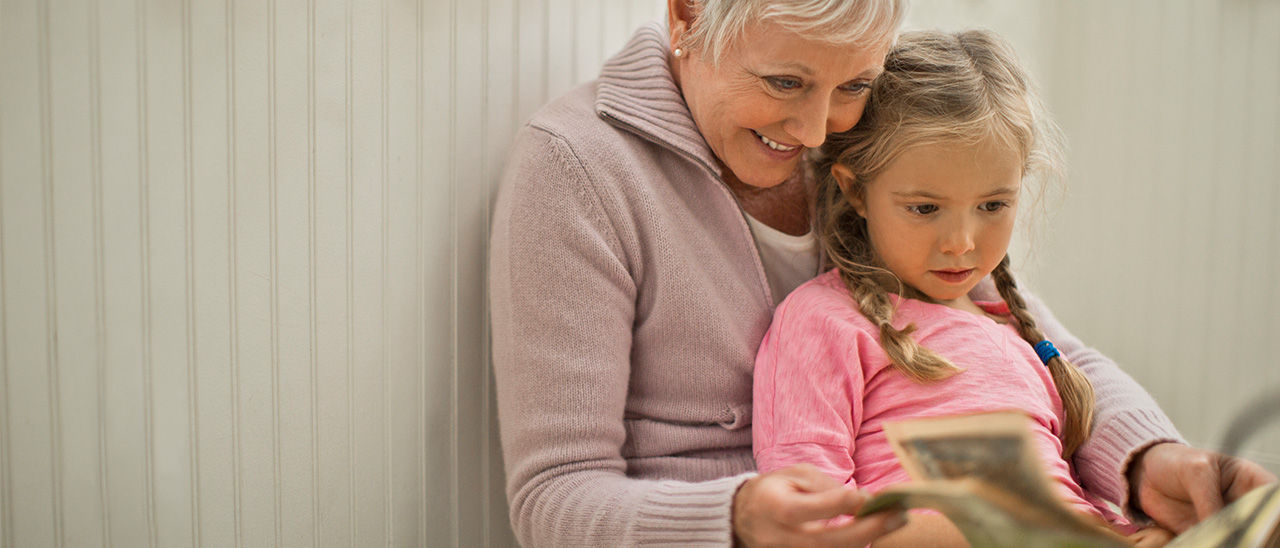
{"points": [[1239, 476], [812, 495], [857, 532], [1202, 480], [794, 507]]}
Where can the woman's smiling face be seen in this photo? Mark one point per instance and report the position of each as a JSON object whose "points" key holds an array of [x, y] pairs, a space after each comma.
{"points": [[773, 94]]}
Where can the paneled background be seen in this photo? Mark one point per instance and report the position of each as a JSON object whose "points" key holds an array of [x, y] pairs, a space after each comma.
{"points": [[242, 244]]}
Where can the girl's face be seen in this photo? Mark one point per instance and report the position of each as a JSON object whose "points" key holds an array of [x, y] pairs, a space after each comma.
{"points": [[940, 216], [773, 94]]}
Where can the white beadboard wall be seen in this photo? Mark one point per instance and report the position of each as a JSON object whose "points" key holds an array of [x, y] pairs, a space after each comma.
{"points": [[242, 250], [242, 244], [1165, 253]]}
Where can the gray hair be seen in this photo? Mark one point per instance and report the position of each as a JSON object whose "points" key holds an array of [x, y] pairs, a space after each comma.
{"points": [[717, 23]]}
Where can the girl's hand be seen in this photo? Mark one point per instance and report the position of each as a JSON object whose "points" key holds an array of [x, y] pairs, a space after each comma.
{"points": [[792, 507], [1178, 485]]}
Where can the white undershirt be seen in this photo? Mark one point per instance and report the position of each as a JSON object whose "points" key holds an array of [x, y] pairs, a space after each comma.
{"points": [[788, 260]]}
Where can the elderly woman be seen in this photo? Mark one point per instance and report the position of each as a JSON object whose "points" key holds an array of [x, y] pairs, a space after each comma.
{"points": [[648, 224]]}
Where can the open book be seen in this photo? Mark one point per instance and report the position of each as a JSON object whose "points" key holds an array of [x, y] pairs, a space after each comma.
{"points": [[982, 473]]}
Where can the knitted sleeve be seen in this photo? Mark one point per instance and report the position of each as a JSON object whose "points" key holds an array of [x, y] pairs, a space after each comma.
{"points": [[1126, 419], [562, 309]]}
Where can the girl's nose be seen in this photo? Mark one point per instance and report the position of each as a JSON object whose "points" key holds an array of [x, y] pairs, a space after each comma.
{"points": [[958, 240]]}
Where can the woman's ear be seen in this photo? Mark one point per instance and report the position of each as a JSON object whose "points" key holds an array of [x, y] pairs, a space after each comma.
{"points": [[844, 179], [679, 13]]}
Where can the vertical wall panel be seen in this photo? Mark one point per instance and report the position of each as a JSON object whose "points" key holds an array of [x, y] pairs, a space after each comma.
{"points": [[500, 88], [615, 24], [291, 254], [470, 230], [1161, 97], [253, 179], [215, 472], [6, 496], [31, 488], [334, 346], [1265, 141], [435, 202], [75, 281], [587, 33], [404, 329], [1194, 241], [369, 180], [531, 55], [1255, 213], [165, 201], [6, 492], [1226, 208], [562, 42], [128, 479]]}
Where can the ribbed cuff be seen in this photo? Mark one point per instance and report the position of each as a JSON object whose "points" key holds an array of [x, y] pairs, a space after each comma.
{"points": [[1104, 458], [683, 514]]}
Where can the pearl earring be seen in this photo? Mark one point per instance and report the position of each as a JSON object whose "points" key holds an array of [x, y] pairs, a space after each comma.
{"points": [[678, 52]]}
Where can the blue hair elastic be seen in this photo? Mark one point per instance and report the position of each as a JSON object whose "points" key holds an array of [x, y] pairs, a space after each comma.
{"points": [[1046, 351]]}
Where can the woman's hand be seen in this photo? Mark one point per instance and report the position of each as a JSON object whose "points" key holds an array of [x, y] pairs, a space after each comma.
{"points": [[1178, 485], [1150, 537], [792, 507]]}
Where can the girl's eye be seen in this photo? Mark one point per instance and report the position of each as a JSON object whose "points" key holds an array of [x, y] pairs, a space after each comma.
{"points": [[992, 207], [923, 209], [782, 83]]}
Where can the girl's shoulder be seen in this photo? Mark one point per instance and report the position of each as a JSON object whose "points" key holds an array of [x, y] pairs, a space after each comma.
{"points": [[822, 289], [825, 301]]}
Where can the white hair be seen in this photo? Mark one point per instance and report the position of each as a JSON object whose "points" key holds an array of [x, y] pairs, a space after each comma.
{"points": [[717, 23]]}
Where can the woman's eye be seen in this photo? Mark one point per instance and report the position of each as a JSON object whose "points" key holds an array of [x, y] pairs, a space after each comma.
{"points": [[783, 84], [855, 88], [923, 209], [992, 207]]}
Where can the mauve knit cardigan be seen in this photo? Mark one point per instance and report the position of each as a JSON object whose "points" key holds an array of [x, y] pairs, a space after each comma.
{"points": [[628, 301]]}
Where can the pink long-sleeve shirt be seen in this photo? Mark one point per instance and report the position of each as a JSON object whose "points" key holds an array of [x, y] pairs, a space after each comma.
{"points": [[824, 387]]}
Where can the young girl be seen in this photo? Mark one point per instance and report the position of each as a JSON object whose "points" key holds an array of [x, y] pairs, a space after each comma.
{"points": [[916, 205]]}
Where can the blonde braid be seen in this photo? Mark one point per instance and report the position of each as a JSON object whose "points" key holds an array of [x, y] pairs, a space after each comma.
{"points": [[913, 360], [1073, 388]]}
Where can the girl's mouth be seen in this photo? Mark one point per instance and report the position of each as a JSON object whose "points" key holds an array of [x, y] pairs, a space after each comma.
{"points": [[953, 276]]}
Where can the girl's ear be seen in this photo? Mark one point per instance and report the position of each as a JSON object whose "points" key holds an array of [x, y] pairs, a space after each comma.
{"points": [[844, 178]]}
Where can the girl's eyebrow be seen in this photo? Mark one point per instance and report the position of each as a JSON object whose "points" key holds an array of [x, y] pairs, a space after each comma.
{"points": [[931, 196], [1001, 190], [916, 194]]}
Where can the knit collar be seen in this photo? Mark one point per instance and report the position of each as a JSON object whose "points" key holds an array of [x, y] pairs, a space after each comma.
{"points": [[637, 93]]}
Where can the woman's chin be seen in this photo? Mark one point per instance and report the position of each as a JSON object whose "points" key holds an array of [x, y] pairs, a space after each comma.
{"points": [[764, 177]]}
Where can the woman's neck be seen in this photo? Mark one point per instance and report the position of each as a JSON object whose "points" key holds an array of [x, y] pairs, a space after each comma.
{"points": [[784, 206]]}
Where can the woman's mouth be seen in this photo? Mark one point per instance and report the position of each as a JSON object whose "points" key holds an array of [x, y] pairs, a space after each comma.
{"points": [[774, 144], [953, 276], [775, 148]]}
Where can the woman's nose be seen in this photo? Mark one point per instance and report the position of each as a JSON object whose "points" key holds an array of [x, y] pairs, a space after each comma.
{"points": [[809, 122]]}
